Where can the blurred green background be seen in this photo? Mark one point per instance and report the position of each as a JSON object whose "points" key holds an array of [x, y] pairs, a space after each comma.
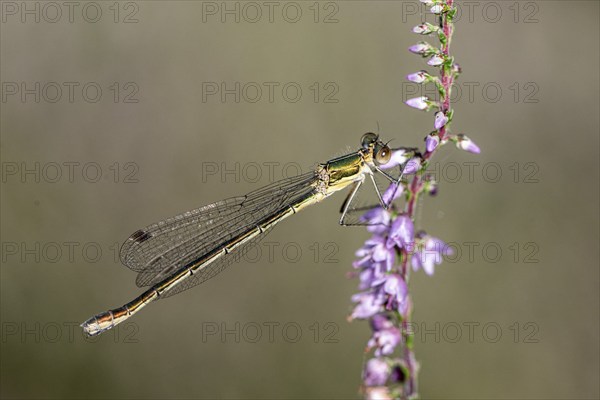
{"points": [[275, 326]]}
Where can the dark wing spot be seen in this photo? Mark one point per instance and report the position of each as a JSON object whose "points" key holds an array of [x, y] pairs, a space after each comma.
{"points": [[140, 236]]}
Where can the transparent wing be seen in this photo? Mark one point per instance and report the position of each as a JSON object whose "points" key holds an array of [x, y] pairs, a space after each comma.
{"points": [[216, 267], [160, 249]]}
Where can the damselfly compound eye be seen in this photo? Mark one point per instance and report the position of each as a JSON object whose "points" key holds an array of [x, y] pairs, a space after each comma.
{"points": [[383, 155], [368, 139]]}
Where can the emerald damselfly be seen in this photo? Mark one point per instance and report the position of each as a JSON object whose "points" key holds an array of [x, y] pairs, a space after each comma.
{"points": [[183, 251]]}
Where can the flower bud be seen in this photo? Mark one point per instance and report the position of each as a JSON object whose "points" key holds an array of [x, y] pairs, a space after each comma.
{"points": [[422, 48], [456, 69], [420, 103], [431, 185], [437, 9], [436, 60], [376, 372], [464, 143], [425, 29], [418, 77], [432, 141], [440, 120]]}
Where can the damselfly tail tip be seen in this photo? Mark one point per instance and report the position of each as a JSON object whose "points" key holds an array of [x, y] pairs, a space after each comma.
{"points": [[98, 324]]}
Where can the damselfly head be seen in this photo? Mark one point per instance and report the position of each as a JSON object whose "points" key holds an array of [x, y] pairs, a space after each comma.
{"points": [[381, 153], [368, 139]]}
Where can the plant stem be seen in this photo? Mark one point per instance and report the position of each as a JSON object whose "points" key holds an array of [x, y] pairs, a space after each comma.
{"points": [[447, 79]]}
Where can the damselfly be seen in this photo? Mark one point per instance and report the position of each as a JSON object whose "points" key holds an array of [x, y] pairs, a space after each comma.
{"points": [[183, 251]]}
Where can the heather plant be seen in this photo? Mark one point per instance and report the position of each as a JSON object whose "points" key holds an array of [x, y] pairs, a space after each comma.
{"points": [[384, 262]]}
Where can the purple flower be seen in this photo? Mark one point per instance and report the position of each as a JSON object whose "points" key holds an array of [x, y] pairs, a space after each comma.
{"points": [[437, 9], [376, 372], [440, 120], [401, 232], [377, 219], [372, 276], [385, 341], [420, 103], [397, 292], [380, 322], [395, 287], [423, 29], [364, 262], [392, 193], [429, 254], [380, 252], [436, 60], [376, 250], [367, 248], [378, 393], [456, 69], [431, 141], [418, 77], [412, 166], [399, 157], [422, 48], [431, 186], [464, 143], [368, 305]]}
